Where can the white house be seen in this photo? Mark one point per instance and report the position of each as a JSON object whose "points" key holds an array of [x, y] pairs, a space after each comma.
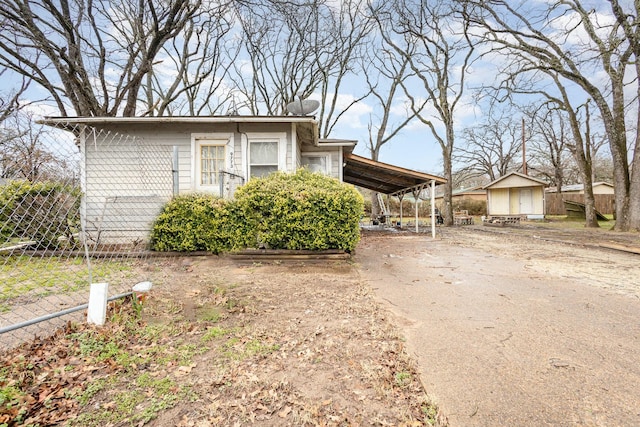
{"points": [[131, 166]]}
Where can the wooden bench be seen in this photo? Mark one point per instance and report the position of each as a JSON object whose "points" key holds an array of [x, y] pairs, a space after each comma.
{"points": [[462, 218]]}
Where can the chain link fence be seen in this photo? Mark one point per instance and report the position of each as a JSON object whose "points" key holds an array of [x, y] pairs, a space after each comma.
{"points": [[76, 207]]}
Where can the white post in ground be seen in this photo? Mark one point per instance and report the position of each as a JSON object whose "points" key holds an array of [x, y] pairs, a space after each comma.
{"points": [[97, 310], [416, 197], [433, 208]]}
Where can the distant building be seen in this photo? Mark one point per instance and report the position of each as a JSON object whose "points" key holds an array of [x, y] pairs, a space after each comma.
{"points": [[598, 188]]}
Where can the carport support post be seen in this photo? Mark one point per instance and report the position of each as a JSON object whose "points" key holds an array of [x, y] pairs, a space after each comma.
{"points": [[433, 208], [416, 197]]}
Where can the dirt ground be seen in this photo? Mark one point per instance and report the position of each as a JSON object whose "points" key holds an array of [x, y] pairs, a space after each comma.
{"points": [[523, 326], [336, 343]]}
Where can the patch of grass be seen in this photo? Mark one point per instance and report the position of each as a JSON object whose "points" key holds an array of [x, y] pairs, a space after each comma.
{"points": [[10, 396], [93, 388], [209, 314], [140, 395], [41, 276], [402, 379], [430, 412], [186, 352], [255, 347], [563, 221], [215, 332], [231, 304], [234, 348], [144, 397]]}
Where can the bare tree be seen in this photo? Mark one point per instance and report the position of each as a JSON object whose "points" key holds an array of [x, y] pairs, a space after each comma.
{"points": [[491, 149], [571, 42], [91, 57], [549, 144], [10, 100], [24, 154], [443, 56], [353, 27], [296, 51], [189, 76], [385, 71]]}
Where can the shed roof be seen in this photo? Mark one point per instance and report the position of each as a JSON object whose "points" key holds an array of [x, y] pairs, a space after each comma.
{"points": [[501, 182], [382, 177]]}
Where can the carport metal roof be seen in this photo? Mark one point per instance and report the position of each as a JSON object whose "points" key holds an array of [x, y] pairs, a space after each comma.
{"points": [[385, 178]]}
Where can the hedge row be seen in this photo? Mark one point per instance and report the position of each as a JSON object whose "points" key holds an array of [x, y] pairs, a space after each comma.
{"points": [[42, 212], [303, 210]]}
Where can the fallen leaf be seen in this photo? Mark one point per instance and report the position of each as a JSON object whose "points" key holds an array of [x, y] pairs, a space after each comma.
{"points": [[284, 412]]}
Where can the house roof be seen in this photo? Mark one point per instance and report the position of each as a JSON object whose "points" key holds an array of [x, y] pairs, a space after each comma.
{"points": [[577, 187], [177, 119], [306, 126], [382, 177], [466, 192], [516, 175]]}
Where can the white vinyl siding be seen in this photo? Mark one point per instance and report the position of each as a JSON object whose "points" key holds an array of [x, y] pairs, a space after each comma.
{"points": [[126, 181]]}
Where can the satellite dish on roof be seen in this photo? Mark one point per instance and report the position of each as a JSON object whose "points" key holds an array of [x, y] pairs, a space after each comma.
{"points": [[303, 107]]}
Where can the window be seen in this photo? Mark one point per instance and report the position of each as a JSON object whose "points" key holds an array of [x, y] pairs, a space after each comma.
{"points": [[264, 153], [263, 157], [317, 162], [211, 163]]}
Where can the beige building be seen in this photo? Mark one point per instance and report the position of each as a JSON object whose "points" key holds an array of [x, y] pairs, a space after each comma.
{"points": [[516, 194], [598, 188]]}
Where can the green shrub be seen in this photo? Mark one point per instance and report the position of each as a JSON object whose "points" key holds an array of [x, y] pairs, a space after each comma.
{"points": [[41, 212], [282, 211], [474, 207], [193, 222], [303, 210]]}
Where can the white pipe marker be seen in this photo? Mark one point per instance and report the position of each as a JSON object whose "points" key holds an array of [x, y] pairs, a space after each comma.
{"points": [[97, 311]]}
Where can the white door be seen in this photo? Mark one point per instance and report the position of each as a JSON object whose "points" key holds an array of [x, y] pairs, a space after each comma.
{"points": [[210, 162], [526, 201]]}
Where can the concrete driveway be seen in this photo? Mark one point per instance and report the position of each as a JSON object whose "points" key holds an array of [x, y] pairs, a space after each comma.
{"points": [[514, 331]]}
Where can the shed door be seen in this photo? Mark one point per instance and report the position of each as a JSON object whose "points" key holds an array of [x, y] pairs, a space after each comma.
{"points": [[526, 201]]}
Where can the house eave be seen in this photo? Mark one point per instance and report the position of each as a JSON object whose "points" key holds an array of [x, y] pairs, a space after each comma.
{"points": [[92, 121]]}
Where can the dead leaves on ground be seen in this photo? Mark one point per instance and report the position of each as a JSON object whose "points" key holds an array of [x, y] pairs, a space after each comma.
{"points": [[323, 355]]}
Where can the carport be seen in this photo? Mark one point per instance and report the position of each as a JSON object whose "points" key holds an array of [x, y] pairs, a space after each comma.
{"points": [[391, 180]]}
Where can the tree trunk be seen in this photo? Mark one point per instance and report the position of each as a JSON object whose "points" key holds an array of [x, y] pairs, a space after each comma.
{"points": [[448, 190]]}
